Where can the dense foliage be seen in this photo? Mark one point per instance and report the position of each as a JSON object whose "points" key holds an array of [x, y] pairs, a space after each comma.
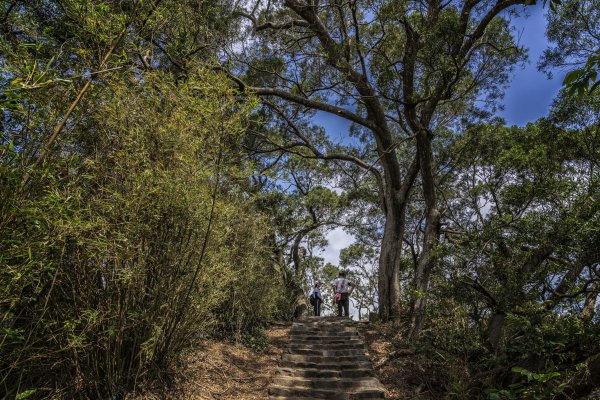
{"points": [[516, 293], [164, 178], [486, 234], [133, 233]]}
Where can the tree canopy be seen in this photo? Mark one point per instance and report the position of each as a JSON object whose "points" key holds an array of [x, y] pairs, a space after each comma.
{"points": [[166, 174]]}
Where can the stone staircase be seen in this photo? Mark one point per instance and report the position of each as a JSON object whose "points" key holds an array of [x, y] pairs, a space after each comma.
{"points": [[325, 359]]}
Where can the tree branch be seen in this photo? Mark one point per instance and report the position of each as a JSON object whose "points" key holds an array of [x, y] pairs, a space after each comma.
{"points": [[317, 105]]}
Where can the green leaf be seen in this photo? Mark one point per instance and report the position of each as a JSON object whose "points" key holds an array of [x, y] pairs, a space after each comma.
{"points": [[25, 394], [573, 76], [554, 5], [522, 371]]}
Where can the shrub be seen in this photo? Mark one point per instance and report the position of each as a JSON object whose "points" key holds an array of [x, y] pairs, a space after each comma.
{"points": [[135, 238]]}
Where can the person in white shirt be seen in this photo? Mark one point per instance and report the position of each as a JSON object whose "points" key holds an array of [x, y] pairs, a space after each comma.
{"points": [[318, 299], [342, 288]]}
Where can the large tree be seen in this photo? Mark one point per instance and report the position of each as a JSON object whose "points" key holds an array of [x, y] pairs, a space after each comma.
{"points": [[521, 248], [400, 72]]}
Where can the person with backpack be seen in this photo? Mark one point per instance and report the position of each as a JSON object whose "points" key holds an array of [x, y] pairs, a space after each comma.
{"points": [[342, 288], [316, 299]]}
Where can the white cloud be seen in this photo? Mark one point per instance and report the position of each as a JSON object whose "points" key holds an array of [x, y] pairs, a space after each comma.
{"points": [[338, 239]]}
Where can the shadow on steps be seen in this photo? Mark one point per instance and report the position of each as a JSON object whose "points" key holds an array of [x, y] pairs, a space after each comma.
{"points": [[325, 359]]}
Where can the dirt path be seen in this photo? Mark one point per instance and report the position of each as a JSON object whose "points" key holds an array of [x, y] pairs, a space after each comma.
{"points": [[225, 371]]}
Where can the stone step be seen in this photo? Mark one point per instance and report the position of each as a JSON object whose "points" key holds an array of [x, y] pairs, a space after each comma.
{"points": [[325, 335], [324, 339], [341, 366], [325, 373], [350, 385], [332, 344], [357, 344], [325, 324], [323, 359], [295, 392], [325, 321], [289, 398], [311, 344], [329, 327], [324, 352], [321, 333], [333, 330], [334, 318]]}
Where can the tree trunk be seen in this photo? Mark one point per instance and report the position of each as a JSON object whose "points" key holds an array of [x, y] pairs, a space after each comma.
{"points": [[296, 259], [589, 308], [389, 267], [395, 200], [427, 259], [301, 305], [495, 329], [425, 265], [566, 284], [299, 302]]}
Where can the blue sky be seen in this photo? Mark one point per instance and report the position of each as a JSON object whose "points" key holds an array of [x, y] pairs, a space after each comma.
{"points": [[530, 92]]}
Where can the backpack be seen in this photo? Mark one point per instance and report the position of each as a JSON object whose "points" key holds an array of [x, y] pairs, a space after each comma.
{"points": [[312, 299], [340, 285]]}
